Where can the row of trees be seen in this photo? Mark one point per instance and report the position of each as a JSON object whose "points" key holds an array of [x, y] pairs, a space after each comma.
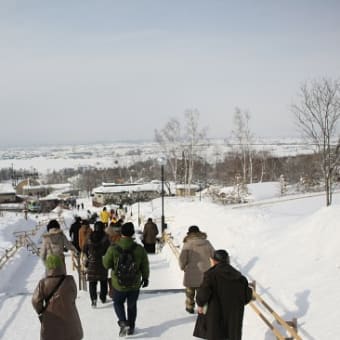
{"points": [[182, 147], [317, 113]]}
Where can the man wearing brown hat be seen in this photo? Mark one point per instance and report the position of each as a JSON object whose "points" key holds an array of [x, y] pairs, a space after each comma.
{"points": [[127, 292], [194, 261], [222, 296]]}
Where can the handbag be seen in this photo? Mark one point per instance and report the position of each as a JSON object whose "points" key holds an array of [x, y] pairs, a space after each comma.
{"points": [[48, 298]]}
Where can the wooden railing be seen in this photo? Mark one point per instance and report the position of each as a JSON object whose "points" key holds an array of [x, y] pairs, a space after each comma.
{"points": [[288, 329], [23, 239], [8, 253], [78, 265]]}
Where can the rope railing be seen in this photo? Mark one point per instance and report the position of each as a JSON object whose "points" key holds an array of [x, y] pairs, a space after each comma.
{"points": [[289, 329]]}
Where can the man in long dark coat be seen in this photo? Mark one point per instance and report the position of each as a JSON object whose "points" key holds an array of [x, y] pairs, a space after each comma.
{"points": [[222, 296]]}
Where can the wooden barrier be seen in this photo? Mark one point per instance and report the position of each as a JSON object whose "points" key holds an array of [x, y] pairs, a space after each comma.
{"points": [[23, 239], [9, 252], [260, 307], [78, 265]]}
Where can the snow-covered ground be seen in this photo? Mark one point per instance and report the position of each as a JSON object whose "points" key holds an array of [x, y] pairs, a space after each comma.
{"points": [[291, 249]]}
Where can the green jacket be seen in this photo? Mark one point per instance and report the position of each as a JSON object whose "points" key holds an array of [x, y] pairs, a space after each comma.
{"points": [[111, 257]]}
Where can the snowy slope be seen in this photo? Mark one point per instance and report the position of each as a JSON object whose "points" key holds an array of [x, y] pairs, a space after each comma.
{"points": [[290, 248]]}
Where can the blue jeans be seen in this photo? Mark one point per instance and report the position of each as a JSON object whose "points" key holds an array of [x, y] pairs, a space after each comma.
{"points": [[119, 299]]}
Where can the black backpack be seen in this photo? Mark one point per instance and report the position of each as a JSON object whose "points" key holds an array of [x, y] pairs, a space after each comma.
{"points": [[126, 271]]}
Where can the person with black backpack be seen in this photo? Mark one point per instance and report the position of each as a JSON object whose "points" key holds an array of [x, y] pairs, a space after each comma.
{"points": [[130, 271]]}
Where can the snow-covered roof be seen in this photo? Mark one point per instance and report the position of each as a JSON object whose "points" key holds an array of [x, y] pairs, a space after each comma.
{"points": [[127, 188], [58, 186], [6, 188], [61, 186], [32, 187]]}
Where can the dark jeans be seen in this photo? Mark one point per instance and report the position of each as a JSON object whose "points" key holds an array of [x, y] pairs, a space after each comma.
{"points": [[119, 299], [93, 289]]}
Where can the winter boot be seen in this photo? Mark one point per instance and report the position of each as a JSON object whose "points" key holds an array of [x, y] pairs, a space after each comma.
{"points": [[190, 310], [124, 328], [130, 331], [94, 303]]}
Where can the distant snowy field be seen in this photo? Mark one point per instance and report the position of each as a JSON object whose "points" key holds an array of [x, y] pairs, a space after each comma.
{"points": [[55, 157]]}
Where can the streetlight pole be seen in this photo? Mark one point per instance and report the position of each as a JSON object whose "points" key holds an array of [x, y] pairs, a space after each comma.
{"points": [[161, 161], [163, 218], [138, 209]]}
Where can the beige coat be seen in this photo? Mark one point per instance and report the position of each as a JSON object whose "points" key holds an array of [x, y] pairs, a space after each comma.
{"points": [[150, 232], [54, 242], [60, 320], [194, 258]]}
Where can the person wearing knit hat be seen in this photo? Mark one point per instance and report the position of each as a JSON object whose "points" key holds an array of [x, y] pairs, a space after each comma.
{"points": [[127, 229], [127, 294], [194, 261], [59, 316], [221, 297]]}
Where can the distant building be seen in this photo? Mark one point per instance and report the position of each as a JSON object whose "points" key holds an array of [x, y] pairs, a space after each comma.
{"points": [[7, 193], [110, 193]]}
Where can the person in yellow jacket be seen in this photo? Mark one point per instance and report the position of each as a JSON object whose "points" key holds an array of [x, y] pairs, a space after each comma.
{"points": [[105, 216]]}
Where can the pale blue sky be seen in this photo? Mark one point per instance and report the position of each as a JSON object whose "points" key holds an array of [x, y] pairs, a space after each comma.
{"points": [[82, 71]]}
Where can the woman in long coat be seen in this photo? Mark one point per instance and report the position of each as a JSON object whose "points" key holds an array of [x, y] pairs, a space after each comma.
{"points": [[55, 242], [194, 261], [60, 320], [95, 248], [224, 293]]}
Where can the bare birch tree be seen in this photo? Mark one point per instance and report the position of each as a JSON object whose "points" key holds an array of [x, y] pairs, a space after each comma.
{"points": [[244, 138], [193, 138], [317, 114], [169, 139]]}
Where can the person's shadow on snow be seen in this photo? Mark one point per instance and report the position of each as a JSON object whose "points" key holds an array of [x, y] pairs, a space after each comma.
{"points": [[158, 330], [302, 304]]}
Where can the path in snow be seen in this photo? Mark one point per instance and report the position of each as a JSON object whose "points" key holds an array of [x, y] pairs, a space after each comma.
{"points": [[160, 315]]}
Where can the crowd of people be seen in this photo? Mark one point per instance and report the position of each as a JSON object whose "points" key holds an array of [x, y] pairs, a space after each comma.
{"points": [[111, 257]]}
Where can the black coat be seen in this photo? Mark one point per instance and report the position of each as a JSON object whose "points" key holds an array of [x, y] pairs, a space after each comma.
{"points": [[226, 292], [74, 234], [95, 248]]}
